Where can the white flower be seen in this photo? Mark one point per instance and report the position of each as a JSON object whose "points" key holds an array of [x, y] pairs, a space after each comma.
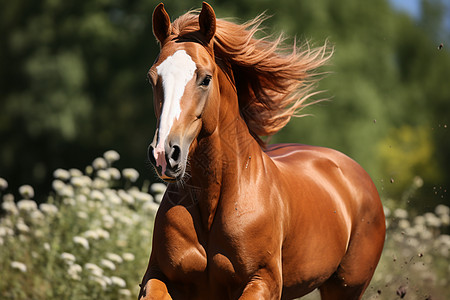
{"points": [[46, 246], [150, 206], [99, 163], [27, 205], [99, 184], [403, 224], [19, 266], [48, 209], [444, 239], [111, 156], [445, 219], [442, 209], [104, 174], [418, 181], [74, 271], [118, 281], [75, 173], [100, 281], [97, 195], [108, 264], [61, 174], [114, 257], [107, 280], [432, 220], [3, 184], [82, 215], [426, 235], [130, 174], [81, 198], [69, 201], [91, 234], [81, 241], [127, 256], [81, 181], [114, 173], [22, 227], [26, 191], [400, 213], [140, 196], [58, 185], [387, 211], [125, 292], [127, 198], [5, 231], [37, 216], [158, 198], [102, 233], [94, 269], [89, 170], [68, 257], [158, 188], [114, 199], [10, 207], [125, 220], [108, 221], [38, 233], [66, 191]]}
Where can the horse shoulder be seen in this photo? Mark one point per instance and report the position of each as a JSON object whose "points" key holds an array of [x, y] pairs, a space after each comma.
{"points": [[177, 241]]}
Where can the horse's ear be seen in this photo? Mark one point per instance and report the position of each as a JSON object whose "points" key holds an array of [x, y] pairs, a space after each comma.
{"points": [[207, 21], [161, 23]]}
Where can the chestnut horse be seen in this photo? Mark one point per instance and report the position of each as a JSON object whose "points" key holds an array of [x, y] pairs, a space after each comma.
{"points": [[240, 220]]}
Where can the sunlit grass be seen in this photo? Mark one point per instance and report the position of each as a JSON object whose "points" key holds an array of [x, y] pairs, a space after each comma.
{"points": [[92, 239]]}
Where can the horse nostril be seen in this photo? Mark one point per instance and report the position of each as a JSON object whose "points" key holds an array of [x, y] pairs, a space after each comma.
{"points": [[175, 154]]}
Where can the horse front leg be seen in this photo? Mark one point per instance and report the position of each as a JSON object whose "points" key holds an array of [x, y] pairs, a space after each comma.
{"points": [[154, 289], [153, 286], [264, 284]]}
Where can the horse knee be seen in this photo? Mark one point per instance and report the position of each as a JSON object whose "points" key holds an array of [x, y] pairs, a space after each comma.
{"points": [[154, 289]]}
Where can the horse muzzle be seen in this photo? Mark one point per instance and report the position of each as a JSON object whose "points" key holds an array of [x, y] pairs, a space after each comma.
{"points": [[168, 162]]}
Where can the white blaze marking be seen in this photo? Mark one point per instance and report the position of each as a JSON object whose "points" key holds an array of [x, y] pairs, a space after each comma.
{"points": [[176, 71]]}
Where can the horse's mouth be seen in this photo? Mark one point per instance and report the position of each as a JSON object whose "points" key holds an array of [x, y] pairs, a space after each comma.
{"points": [[170, 175]]}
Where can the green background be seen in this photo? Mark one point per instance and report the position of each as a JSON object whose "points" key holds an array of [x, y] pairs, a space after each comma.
{"points": [[73, 85]]}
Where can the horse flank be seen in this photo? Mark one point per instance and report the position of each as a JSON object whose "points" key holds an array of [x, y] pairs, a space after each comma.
{"points": [[273, 82]]}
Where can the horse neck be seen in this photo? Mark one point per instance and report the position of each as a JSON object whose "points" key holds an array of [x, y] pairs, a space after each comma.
{"points": [[222, 158]]}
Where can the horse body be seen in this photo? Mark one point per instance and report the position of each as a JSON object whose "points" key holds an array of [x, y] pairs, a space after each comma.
{"points": [[249, 223]]}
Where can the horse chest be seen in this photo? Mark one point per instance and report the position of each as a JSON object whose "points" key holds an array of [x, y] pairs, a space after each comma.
{"points": [[186, 253], [178, 245]]}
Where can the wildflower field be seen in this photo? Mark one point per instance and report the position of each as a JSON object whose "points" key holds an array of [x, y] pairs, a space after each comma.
{"points": [[92, 239]]}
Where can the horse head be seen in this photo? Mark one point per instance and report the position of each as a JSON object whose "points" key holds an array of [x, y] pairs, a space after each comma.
{"points": [[185, 90]]}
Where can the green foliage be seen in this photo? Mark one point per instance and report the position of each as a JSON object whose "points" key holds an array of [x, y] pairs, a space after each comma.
{"points": [[407, 152], [73, 80], [91, 240]]}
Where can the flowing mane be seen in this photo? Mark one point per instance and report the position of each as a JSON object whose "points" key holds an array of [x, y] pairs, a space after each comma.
{"points": [[273, 82]]}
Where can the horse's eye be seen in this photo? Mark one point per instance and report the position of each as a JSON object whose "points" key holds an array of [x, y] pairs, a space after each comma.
{"points": [[206, 81]]}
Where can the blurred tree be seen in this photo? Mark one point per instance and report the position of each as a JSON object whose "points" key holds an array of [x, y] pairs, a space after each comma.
{"points": [[73, 81], [73, 84]]}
